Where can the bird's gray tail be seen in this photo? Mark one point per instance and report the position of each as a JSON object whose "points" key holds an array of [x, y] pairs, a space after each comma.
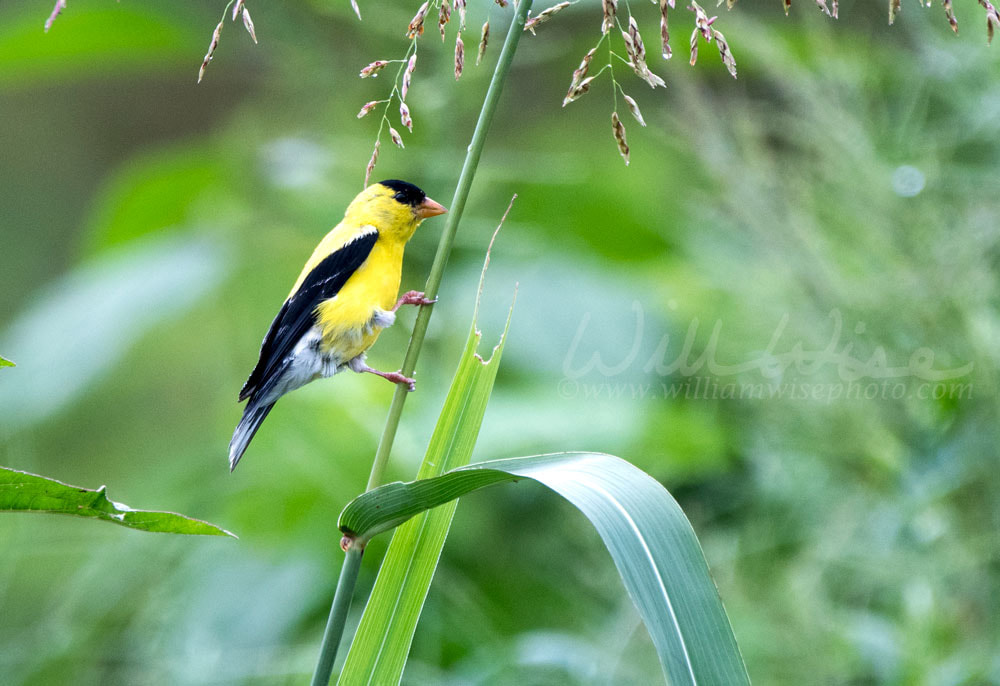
{"points": [[253, 416]]}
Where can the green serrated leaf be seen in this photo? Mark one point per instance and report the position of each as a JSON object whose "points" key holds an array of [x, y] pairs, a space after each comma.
{"points": [[382, 642], [4, 362], [652, 543], [24, 492]]}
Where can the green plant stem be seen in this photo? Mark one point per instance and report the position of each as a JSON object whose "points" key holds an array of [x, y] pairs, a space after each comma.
{"points": [[448, 237], [338, 616], [352, 562]]}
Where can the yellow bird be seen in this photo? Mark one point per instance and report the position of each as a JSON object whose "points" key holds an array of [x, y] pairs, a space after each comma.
{"points": [[344, 297]]}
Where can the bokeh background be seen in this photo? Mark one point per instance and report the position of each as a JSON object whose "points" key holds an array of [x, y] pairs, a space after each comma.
{"points": [[150, 227]]}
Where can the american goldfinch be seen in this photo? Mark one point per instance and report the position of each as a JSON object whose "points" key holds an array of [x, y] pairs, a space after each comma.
{"points": [[344, 297]]}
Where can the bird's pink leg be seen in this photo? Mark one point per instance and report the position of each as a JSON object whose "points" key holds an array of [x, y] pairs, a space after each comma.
{"points": [[358, 365], [413, 298]]}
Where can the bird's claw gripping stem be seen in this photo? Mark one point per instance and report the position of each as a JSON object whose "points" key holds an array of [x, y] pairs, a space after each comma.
{"points": [[413, 298], [398, 378]]}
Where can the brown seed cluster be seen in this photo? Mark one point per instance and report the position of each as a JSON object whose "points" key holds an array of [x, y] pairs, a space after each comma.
{"points": [[893, 10], [664, 31], [484, 39], [637, 55], [992, 19], [619, 132], [703, 26], [609, 8], [444, 16], [408, 76], [373, 68], [459, 56], [416, 27], [581, 82], [544, 16], [949, 12]]}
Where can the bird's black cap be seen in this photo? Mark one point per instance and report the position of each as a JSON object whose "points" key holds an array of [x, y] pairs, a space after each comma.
{"points": [[406, 193]]}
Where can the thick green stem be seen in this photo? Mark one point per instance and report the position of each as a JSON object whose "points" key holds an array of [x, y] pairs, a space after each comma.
{"points": [[352, 562], [338, 616], [448, 237]]}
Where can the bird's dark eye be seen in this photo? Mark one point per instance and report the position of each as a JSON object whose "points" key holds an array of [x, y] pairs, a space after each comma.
{"points": [[400, 196]]}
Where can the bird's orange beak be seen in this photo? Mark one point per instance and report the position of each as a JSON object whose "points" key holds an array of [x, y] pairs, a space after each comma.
{"points": [[429, 208]]}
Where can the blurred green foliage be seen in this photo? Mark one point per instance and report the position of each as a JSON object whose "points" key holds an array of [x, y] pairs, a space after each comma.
{"points": [[150, 228]]}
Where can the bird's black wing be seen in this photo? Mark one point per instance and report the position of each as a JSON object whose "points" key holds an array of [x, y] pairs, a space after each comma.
{"points": [[297, 314]]}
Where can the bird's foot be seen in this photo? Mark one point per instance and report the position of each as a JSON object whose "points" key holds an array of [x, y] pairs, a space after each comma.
{"points": [[398, 378], [413, 298], [358, 365]]}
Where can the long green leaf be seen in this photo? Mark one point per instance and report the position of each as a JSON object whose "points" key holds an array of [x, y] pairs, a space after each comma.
{"points": [[382, 642], [651, 541], [24, 492]]}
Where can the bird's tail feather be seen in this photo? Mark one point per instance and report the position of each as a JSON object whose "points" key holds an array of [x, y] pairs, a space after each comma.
{"points": [[253, 416]]}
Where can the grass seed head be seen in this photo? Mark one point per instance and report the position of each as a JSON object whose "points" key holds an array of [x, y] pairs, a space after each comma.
{"points": [[373, 68], [248, 24], [444, 16], [371, 163], [56, 11], [367, 107], [634, 109], [633, 33], [211, 50], [992, 19], [396, 138], [724, 52], [608, 8], [404, 116], [459, 56], [619, 131], [576, 90], [236, 9], [787, 4], [484, 39], [416, 27], [664, 31], [460, 6], [408, 76], [894, 8], [544, 16], [694, 46], [357, 10]]}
